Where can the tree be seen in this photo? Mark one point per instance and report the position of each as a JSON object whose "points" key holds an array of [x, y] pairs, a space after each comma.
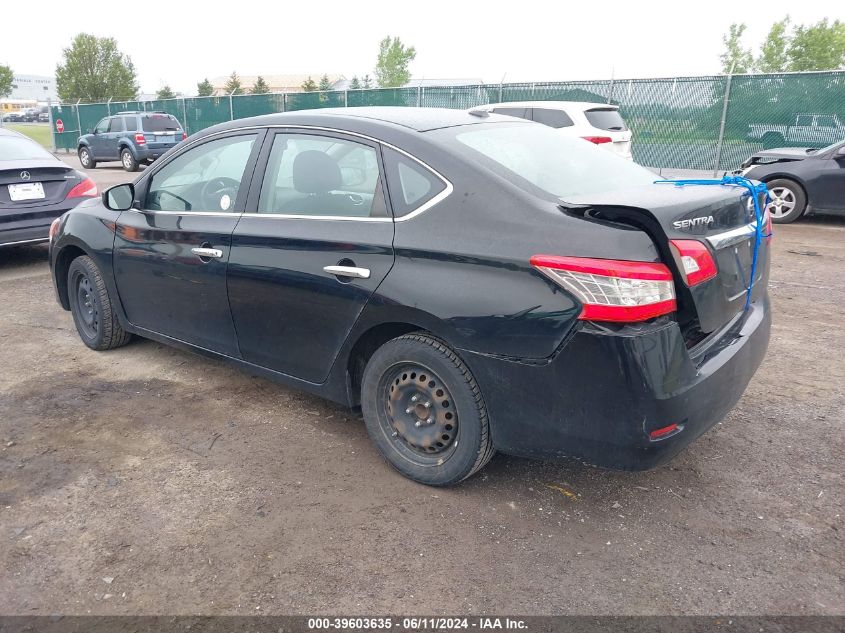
{"points": [[773, 56], [735, 59], [93, 69], [233, 85], [6, 76], [308, 85], [820, 46], [204, 88], [325, 84], [366, 82], [392, 65], [165, 93], [260, 87], [355, 84]]}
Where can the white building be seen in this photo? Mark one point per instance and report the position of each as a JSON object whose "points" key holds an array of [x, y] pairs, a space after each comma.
{"points": [[34, 87]]}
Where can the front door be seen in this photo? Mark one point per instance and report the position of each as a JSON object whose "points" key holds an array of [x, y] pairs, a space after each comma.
{"points": [[305, 261], [170, 255], [830, 187], [98, 141]]}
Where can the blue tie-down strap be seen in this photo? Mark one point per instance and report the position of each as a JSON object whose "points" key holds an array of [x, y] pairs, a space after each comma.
{"points": [[754, 189]]}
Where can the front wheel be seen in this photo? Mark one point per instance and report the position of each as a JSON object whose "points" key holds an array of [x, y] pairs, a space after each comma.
{"points": [[424, 411], [91, 307], [788, 200], [128, 160], [85, 158]]}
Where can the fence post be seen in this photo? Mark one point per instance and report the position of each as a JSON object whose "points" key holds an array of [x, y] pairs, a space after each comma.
{"points": [[419, 96], [610, 91], [345, 98], [78, 122], [533, 86], [284, 102], [721, 140], [185, 117], [500, 92], [108, 105], [231, 107]]}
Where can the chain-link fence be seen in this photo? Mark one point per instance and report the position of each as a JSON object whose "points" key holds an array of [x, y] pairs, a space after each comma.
{"points": [[681, 123]]}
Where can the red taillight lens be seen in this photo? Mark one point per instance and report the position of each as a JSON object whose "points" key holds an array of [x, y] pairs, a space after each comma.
{"points": [[140, 139], [610, 289], [656, 434], [184, 135], [697, 261], [85, 189], [54, 228], [598, 140]]}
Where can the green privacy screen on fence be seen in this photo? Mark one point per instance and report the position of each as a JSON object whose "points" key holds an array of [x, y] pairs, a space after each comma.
{"points": [[677, 122]]}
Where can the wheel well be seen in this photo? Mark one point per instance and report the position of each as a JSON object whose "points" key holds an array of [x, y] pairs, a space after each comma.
{"points": [[63, 260], [365, 347]]}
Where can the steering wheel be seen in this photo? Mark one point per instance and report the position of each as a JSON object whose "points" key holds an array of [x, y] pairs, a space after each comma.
{"points": [[219, 193]]}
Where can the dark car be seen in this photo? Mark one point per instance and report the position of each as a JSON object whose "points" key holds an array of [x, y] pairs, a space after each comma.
{"points": [[801, 180], [474, 283], [130, 137], [35, 188], [15, 117], [44, 117]]}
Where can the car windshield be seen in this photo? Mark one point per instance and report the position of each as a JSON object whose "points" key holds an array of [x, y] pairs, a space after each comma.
{"points": [[17, 148], [160, 123], [822, 150], [540, 156]]}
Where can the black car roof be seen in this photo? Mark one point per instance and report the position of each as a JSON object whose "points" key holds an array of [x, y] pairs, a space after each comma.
{"points": [[412, 118]]}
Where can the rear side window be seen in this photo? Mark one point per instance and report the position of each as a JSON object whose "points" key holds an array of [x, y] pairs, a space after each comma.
{"points": [[552, 118], [13, 147], [131, 123], [116, 124], [160, 123], [410, 184], [522, 113], [606, 119]]}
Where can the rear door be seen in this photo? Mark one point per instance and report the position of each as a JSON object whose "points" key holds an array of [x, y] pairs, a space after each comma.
{"points": [[112, 137], [828, 190], [170, 255], [316, 243]]}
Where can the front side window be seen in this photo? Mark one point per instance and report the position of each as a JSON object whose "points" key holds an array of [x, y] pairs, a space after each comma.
{"points": [[552, 118], [205, 178], [410, 184], [825, 121], [804, 119], [321, 176], [116, 124], [102, 126]]}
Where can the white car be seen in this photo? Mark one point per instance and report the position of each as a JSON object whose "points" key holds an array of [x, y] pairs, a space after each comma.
{"points": [[598, 123]]}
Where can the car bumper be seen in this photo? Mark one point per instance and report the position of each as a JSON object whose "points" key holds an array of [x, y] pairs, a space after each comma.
{"points": [[604, 392], [30, 225], [151, 153]]}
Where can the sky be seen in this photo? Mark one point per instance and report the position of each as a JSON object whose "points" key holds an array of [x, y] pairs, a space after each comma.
{"points": [[180, 43]]}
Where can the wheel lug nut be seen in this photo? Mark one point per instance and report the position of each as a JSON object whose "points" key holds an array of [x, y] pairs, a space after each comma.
{"points": [[430, 420], [417, 423], [414, 398], [408, 410]]}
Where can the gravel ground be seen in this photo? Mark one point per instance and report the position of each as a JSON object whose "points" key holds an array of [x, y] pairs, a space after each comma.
{"points": [[147, 480]]}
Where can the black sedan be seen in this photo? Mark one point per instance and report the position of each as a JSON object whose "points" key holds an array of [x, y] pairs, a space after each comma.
{"points": [[474, 282], [35, 188], [801, 180]]}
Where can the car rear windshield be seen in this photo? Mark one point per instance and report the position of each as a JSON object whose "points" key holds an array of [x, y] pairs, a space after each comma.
{"points": [[606, 119], [536, 156], [160, 123], [16, 148]]}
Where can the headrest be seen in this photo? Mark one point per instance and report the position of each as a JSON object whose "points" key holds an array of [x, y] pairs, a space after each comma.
{"points": [[315, 172]]}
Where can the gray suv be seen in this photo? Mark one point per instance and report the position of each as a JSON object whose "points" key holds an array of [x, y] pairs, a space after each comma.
{"points": [[130, 137]]}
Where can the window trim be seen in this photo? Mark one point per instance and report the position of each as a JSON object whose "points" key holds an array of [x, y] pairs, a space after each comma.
{"points": [[421, 209]]}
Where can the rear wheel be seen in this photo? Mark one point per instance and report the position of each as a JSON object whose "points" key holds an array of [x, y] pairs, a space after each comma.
{"points": [[788, 200], [91, 307], [85, 158], [424, 411], [128, 160]]}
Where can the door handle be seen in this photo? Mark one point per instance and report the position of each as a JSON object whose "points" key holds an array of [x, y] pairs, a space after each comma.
{"points": [[207, 253], [348, 271]]}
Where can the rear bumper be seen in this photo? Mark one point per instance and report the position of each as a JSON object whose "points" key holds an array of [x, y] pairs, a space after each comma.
{"points": [[604, 392], [151, 153], [31, 225]]}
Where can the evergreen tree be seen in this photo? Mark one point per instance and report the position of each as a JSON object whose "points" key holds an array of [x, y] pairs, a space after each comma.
{"points": [[233, 85], [260, 87], [204, 88]]}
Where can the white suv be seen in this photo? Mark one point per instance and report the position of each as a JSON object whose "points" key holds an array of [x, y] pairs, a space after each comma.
{"points": [[598, 123]]}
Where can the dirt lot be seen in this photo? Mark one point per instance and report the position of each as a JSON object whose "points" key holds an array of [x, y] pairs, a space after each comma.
{"points": [[148, 480]]}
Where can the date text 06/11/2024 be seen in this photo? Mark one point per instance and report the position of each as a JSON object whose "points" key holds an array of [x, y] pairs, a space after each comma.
{"points": [[416, 623]]}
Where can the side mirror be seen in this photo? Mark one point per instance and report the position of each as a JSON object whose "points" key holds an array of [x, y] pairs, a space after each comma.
{"points": [[119, 197]]}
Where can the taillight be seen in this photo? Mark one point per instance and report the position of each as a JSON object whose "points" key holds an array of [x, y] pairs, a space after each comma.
{"points": [[610, 289], [697, 261], [140, 139], [184, 136], [54, 229], [85, 189], [598, 140]]}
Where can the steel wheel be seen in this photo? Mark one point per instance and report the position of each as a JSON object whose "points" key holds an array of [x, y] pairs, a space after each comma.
{"points": [[418, 411], [783, 202], [89, 314]]}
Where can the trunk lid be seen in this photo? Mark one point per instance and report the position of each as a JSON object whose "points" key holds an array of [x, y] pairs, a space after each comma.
{"points": [[19, 186], [721, 217]]}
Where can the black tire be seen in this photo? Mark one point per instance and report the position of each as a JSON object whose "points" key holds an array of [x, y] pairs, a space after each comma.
{"points": [[91, 307], [787, 192], [85, 158], [772, 140], [128, 160], [450, 439]]}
